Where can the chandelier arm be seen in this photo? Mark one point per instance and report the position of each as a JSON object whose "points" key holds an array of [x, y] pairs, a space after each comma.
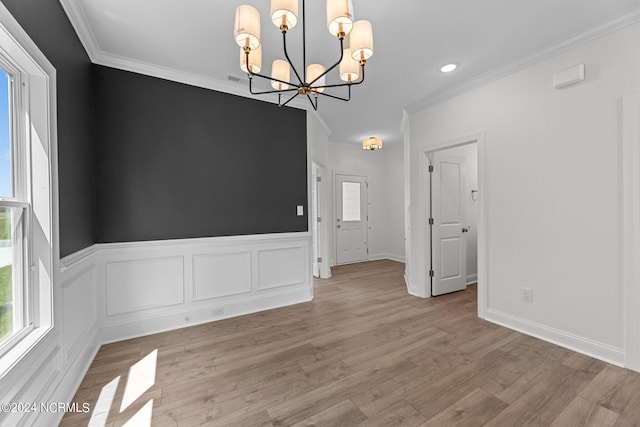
{"points": [[272, 91], [344, 84], [289, 100], [251, 74], [338, 97], [315, 106], [333, 66], [286, 55]]}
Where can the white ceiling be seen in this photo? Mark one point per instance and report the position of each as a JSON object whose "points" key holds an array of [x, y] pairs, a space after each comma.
{"points": [[192, 41]]}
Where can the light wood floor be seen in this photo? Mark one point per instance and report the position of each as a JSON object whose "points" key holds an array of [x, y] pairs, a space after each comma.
{"points": [[364, 353]]}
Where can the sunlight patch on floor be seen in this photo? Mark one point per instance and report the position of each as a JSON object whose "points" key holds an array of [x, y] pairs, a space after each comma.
{"points": [[142, 376]]}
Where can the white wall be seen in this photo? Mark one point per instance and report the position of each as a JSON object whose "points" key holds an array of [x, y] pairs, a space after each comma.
{"points": [[394, 180], [383, 170], [553, 191], [317, 139]]}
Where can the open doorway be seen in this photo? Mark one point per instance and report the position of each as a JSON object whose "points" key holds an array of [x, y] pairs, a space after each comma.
{"points": [[452, 222]]}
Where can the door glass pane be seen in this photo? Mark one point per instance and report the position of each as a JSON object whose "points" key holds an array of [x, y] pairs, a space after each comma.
{"points": [[6, 189], [351, 201]]}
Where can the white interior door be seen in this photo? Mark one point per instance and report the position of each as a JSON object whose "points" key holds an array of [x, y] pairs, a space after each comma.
{"points": [[351, 219], [448, 209]]}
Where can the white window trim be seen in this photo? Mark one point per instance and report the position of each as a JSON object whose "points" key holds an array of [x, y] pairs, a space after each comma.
{"points": [[40, 132]]}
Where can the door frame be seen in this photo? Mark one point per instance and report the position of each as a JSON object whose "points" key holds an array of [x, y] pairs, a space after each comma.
{"points": [[483, 229], [323, 211], [335, 211]]}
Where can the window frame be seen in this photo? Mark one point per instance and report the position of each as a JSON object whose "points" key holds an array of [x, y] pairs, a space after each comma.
{"points": [[35, 186], [20, 199]]}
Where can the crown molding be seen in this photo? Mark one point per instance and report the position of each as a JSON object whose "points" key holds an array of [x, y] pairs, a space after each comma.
{"points": [[526, 61], [192, 79], [80, 22]]}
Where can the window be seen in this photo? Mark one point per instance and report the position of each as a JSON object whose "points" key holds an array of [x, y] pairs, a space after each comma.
{"points": [[14, 319], [28, 236], [351, 201]]}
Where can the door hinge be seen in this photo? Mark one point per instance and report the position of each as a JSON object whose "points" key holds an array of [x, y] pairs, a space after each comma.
{"points": [[319, 259], [319, 219], [318, 179], [431, 273], [367, 184], [430, 221], [430, 168]]}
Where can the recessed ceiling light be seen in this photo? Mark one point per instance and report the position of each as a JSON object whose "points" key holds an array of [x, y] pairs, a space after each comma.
{"points": [[447, 68]]}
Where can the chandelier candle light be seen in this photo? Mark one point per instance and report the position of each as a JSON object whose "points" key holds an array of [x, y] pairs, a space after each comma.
{"points": [[311, 81]]}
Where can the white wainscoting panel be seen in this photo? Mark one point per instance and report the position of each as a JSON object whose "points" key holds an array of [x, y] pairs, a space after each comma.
{"points": [[221, 274], [142, 284], [79, 308], [280, 267], [150, 287]]}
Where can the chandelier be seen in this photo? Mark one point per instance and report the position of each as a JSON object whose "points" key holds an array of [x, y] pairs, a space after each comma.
{"points": [[372, 143], [310, 81]]}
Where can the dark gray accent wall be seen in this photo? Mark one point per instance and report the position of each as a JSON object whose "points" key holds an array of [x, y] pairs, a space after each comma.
{"points": [[48, 26], [177, 161]]}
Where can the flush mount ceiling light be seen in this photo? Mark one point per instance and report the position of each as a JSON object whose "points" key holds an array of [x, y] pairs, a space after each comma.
{"points": [[372, 143], [310, 82], [447, 68]]}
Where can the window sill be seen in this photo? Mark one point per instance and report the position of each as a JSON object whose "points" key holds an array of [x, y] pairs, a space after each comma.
{"points": [[22, 349]]}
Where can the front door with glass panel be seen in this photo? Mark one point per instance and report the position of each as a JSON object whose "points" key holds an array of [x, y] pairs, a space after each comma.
{"points": [[351, 219]]}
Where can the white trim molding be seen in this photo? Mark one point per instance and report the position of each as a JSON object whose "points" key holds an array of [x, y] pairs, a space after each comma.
{"points": [[631, 229], [577, 343]]}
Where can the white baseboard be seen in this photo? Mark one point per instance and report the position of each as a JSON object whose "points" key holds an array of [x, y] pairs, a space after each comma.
{"points": [[413, 290], [197, 316], [601, 351], [472, 278], [70, 379], [380, 256]]}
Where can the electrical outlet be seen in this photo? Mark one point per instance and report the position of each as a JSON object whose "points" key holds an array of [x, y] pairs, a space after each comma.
{"points": [[217, 311], [527, 295]]}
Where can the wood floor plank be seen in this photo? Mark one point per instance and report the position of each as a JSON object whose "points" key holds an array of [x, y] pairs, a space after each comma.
{"points": [[342, 414], [474, 409], [363, 352], [582, 412]]}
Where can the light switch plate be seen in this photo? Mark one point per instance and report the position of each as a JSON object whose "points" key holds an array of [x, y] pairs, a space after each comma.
{"points": [[300, 210]]}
